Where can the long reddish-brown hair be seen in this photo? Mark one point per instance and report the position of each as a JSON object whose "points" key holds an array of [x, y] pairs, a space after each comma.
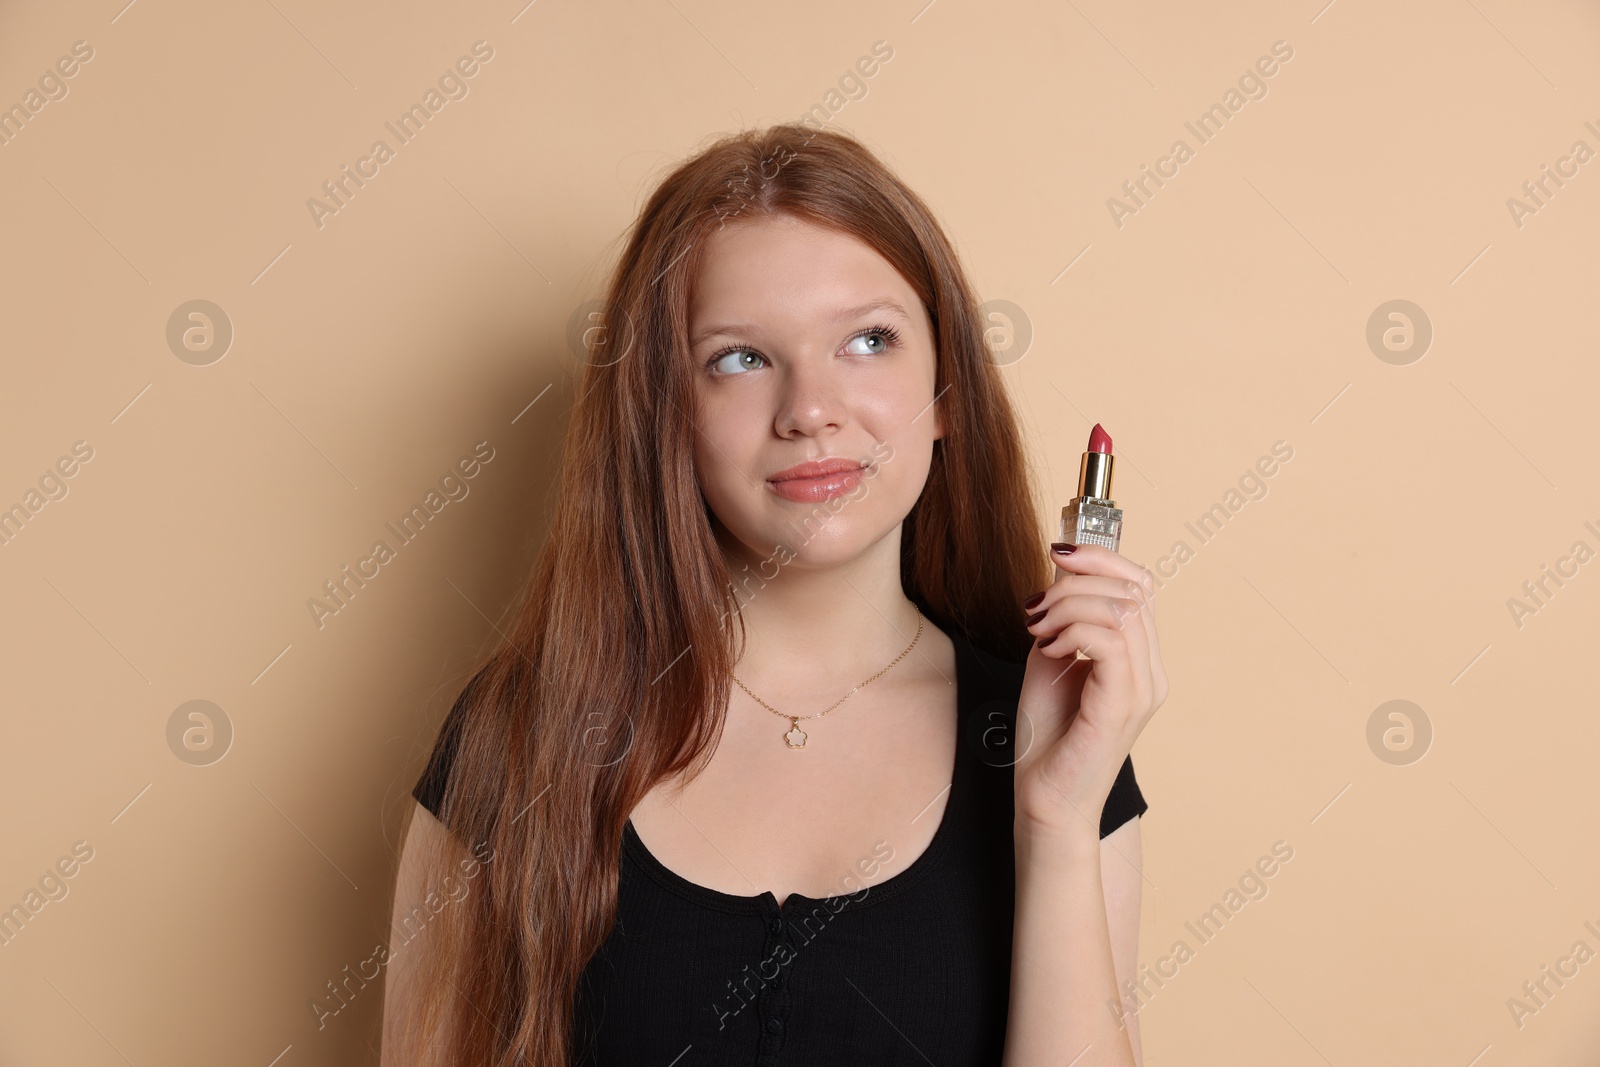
{"points": [[613, 676]]}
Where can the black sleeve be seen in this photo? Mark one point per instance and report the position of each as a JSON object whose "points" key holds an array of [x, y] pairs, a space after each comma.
{"points": [[429, 790], [1124, 801]]}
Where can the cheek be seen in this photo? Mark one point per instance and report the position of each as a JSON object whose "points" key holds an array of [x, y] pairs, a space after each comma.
{"points": [[726, 432], [900, 414], [724, 440], [711, 469], [905, 476], [905, 421]]}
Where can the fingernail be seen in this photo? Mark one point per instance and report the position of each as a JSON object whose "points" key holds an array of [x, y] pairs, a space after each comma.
{"points": [[1047, 640], [1063, 548], [1033, 601], [1031, 619]]}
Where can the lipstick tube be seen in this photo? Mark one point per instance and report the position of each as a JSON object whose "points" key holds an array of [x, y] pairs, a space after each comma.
{"points": [[1092, 517]]}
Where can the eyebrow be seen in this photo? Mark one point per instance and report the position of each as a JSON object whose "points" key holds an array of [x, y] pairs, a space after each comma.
{"points": [[843, 315]]}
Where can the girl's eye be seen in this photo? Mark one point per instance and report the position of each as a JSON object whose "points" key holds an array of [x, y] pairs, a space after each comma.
{"points": [[879, 339], [886, 337], [735, 354]]}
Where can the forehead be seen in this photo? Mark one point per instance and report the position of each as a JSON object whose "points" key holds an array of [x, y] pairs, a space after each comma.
{"points": [[789, 266]]}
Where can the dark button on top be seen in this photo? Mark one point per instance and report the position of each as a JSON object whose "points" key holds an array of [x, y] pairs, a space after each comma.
{"points": [[776, 926], [774, 1026]]}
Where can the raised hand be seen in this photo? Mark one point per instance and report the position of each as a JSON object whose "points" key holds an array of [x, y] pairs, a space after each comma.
{"points": [[1085, 714]]}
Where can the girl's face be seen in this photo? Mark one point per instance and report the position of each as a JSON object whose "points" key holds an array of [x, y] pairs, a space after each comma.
{"points": [[807, 345]]}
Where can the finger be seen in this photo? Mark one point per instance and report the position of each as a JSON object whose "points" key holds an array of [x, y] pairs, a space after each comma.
{"points": [[1110, 611], [1114, 647], [1088, 559], [1142, 634], [1158, 671], [1126, 596], [1098, 559], [1092, 584], [1107, 648], [1155, 670], [1132, 616], [1127, 616]]}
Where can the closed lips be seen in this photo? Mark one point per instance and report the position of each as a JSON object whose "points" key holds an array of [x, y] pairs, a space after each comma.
{"points": [[817, 469]]}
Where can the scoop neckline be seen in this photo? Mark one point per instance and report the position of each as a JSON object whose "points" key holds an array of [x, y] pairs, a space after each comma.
{"points": [[766, 902]]}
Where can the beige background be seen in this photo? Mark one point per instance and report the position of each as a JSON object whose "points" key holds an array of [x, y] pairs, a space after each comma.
{"points": [[1228, 313]]}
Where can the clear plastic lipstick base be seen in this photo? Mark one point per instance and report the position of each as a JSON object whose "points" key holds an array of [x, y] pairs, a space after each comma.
{"points": [[1092, 521]]}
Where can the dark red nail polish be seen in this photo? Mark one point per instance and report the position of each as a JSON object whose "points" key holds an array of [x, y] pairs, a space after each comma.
{"points": [[1047, 640], [1031, 619], [1033, 601], [1063, 548]]}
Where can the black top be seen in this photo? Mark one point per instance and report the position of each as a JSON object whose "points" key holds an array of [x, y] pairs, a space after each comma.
{"points": [[913, 969]]}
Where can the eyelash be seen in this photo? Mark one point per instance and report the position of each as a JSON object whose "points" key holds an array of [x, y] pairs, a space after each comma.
{"points": [[890, 334]]}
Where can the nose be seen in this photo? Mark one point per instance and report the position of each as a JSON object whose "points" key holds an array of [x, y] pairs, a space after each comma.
{"points": [[811, 402]]}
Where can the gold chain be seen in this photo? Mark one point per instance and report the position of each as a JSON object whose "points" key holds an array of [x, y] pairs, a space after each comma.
{"points": [[796, 737]]}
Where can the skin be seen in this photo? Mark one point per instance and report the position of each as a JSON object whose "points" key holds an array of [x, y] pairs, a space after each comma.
{"points": [[803, 384]]}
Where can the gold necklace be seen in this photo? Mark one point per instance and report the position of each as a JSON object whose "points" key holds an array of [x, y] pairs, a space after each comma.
{"points": [[796, 737]]}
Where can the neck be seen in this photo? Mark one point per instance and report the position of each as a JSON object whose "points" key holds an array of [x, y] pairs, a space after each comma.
{"points": [[814, 627]]}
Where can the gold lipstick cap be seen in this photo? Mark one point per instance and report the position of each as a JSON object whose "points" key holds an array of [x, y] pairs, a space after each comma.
{"points": [[1092, 517]]}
